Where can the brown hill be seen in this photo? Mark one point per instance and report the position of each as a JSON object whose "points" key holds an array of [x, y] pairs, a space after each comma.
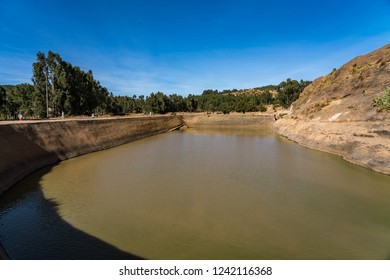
{"points": [[335, 112], [346, 94]]}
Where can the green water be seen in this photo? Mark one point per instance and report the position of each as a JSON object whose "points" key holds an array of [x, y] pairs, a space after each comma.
{"points": [[200, 194]]}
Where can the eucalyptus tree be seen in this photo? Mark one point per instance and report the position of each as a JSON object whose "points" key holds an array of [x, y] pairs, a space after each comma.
{"points": [[40, 80], [53, 62], [289, 91], [157, 103], [2, 96], [20, 99], [61, 87], [2, 101]]}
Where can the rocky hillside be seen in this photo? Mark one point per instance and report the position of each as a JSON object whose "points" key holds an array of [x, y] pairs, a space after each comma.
{"points": [[335, 112], [346, 94]]}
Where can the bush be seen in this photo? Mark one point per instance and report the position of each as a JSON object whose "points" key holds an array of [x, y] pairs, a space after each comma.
{"points": [[262, 108], [382, 103]]}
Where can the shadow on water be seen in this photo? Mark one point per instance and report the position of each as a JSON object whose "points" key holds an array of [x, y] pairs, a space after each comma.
{"points": [[43, 234]]}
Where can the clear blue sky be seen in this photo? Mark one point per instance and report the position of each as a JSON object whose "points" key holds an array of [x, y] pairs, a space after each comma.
{"points": [[176, 46]]}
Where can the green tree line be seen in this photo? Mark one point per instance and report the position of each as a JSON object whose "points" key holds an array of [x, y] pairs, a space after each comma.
{"points": [[61, 87], [58, 87]]}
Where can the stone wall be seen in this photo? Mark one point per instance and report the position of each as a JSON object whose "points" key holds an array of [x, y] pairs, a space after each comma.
{"points": [[28, 146]]}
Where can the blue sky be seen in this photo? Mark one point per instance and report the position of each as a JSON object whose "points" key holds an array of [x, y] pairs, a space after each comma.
{"points": [[143, 46]]}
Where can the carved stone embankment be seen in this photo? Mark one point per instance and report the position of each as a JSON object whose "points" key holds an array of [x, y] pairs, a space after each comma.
{"points": [[363, 143], [28, 146]]}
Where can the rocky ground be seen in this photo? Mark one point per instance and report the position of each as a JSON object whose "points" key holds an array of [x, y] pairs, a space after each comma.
{"points": [[363, 143]]}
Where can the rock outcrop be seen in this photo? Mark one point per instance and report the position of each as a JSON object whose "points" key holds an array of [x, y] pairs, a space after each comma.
{"points": [[335, 113]]}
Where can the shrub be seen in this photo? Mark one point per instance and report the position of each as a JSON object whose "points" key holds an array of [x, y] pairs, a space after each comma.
{"points": [[382, 103]]}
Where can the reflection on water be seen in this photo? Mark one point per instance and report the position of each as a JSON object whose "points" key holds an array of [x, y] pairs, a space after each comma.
{"points": [[31, 229], [204, 194]]}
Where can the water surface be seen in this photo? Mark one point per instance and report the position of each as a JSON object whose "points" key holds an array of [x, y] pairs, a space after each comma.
{"points": [[200, 194]]}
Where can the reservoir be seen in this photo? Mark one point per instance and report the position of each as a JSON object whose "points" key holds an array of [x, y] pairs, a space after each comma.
{"points": [[200, 194]]}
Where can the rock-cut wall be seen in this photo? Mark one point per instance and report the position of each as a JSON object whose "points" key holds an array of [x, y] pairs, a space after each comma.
{"points": [[26, 147]]}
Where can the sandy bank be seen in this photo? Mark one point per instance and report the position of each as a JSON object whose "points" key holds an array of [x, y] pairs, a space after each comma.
{"points": [[28, 146], [364, 143]]}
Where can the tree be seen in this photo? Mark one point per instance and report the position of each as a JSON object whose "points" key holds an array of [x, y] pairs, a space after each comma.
{"points": [[289, 91], [177, 103], [20, 99], [53, 62], [242, 105], [40, 76], [46, 72], [2, 101], [139, 104], [66, 87], [157, 103], [266, 98], [62, 87], [210, 92], [191, 103], [2, 96]]}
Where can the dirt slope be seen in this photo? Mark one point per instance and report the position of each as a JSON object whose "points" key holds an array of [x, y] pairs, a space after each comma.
{"points": [[335, 112]]}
